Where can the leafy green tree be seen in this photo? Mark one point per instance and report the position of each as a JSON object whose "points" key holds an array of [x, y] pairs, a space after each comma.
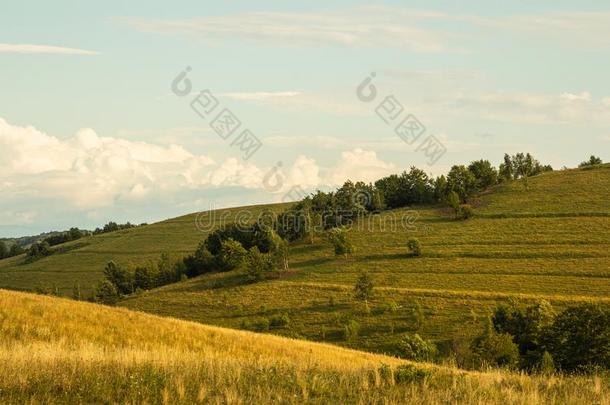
{"points": [[414, 247], [413, 347], [461, 181], [547, 364], [38, 250], [453, 200], [3, 250], [495, 349], [506, 172], [200, 262], [363, 289], [593, 160], [106, 293], [484, 173], [440, 188], [527, 326], [232, 255], [258, 264], [579, 338], [341, 242], [15, 250], [120, 278], [145, 277]]}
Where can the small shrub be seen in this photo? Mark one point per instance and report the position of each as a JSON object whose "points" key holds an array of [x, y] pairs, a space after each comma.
{"points": [[413, 347], [351, 330], [409, 373], [279, 321], [257, 324], [341, 242], [414, 247], [363, 289], [106, 293]]}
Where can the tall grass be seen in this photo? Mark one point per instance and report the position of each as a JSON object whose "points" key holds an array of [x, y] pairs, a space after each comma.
{"points": [[59, 351]]}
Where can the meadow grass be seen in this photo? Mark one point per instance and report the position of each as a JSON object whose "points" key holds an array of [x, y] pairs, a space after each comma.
{"points": [[54, 350]]}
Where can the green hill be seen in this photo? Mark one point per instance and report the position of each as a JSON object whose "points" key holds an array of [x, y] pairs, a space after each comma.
{"points": [[60, 351], [548, 241]]}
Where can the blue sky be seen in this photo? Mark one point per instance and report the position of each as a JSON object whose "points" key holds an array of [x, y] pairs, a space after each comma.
{"points": [[90, 130]]}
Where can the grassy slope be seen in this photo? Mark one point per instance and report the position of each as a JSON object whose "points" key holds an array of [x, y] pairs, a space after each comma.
{"points": [[550, 241], [61, 351]]}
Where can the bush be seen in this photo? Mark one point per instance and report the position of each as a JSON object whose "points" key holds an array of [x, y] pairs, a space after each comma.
{"points": [[351, 330], [256, 324], [495, 349], [341, 242], [413, 347], [408, 373], [279, 321], [414, 247], [363, 290]]}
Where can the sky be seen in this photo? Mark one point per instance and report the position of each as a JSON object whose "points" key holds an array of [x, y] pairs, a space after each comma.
{"points": [[104, 105]]}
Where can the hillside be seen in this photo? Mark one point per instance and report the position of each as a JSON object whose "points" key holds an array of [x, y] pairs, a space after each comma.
{"points": [[548, 242], [61, 351]]}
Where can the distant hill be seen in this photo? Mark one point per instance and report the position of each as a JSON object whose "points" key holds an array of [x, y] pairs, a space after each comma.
{"points": [[59, 351]]}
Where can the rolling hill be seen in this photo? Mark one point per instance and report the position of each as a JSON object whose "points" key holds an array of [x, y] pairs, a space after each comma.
{"points": [[55, 350], [549, 240]]}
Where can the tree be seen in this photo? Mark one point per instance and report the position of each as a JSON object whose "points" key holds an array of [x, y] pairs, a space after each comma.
{"points": [[527, 326], [484, 173], [279, 251], [413, 347], [414, 247], [106, 293], [258, 264], [461, 181], [341, 242], [200, 262], [495, 349], [453, 200], [38, 250], [593, 160], [579, 338], [231, 255], [506, 171], [363, 290], [417, 315], [15, 250], [3, 250], [145, 277], [119, 277]]}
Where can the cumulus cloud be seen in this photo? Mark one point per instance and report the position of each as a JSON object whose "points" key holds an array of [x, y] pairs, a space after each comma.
{"points": [[89, 172], [359, 165], [45, 49]]}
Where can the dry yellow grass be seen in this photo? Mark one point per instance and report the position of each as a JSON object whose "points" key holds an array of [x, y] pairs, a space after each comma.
{"points": [[61, 351]]}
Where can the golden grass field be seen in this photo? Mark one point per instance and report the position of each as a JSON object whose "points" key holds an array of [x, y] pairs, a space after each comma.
{"points": [[54, 350]]}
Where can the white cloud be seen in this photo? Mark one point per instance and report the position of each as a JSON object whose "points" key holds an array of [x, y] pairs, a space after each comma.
{"points": [[359, 165], [91, 172], [354, 28], [45, 49], [389, 26]]}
